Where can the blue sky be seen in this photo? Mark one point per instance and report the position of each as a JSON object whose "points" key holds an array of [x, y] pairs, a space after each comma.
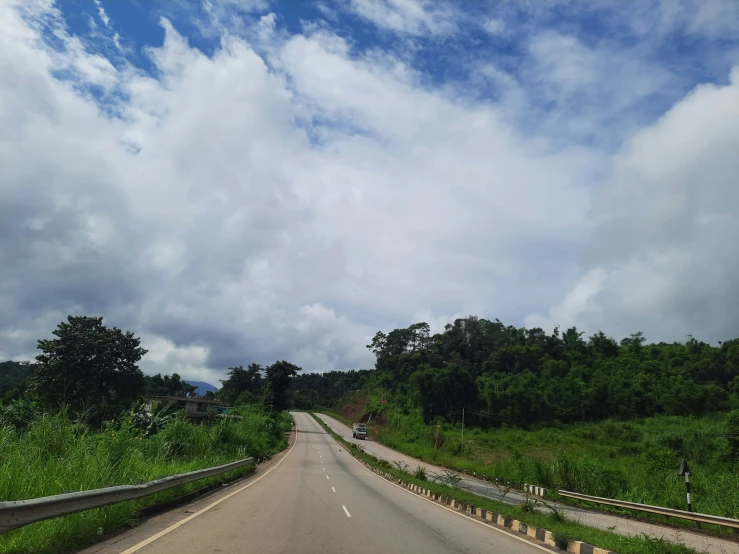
{"points": [[242, 181]]}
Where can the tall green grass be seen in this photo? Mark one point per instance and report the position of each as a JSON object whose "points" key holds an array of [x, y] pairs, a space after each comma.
{"points": [[635, 461], [55, 454]]}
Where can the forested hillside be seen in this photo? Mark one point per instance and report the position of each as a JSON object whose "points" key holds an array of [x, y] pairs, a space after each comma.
{"points": [[503, 374], [13, 378], [323, 390]]}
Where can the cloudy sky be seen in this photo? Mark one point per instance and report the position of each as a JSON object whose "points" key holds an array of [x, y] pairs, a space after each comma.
{"points": [[248, 180]]}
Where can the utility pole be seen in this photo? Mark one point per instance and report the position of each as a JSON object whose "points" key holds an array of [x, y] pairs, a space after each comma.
{"points": [[462, 427]]}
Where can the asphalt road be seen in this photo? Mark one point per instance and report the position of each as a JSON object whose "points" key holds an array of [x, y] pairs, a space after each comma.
{"points": [[318, 499], [701, 543]]}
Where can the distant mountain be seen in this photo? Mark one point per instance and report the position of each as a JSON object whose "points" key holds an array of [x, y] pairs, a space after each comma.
{"points": [[203, 387]]}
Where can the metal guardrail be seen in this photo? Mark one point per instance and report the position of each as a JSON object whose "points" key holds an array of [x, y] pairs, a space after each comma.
{"points": [[703, 518], [17, 513]]}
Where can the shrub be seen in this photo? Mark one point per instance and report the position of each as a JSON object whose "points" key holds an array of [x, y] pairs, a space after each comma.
{"points": [[731, 426], [55, 454], [561, 540]]}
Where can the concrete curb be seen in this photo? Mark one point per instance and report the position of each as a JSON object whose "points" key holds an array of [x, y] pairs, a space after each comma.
{"points": [[537, 534]]}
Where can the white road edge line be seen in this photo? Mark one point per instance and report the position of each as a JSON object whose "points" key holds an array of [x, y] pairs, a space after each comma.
{"points": [[346, 511], [171, 528], [333, 489], [486, 525]]}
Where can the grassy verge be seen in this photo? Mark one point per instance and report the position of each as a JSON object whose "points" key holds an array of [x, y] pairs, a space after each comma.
{"points": [[55, 455], [558, 525], [635, 461]]}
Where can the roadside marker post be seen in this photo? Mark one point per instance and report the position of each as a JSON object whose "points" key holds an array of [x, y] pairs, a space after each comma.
{"points": [[684, 471]]}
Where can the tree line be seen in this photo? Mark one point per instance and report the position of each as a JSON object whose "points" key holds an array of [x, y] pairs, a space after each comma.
{"points": [[92, 371], [502, 374], [323, 390]]}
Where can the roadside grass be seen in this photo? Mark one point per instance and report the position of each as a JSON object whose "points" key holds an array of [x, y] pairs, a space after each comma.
{"points": [[635, 461], [56, 455], [558, 525]]}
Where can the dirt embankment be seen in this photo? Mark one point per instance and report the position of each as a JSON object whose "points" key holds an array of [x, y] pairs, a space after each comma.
{"points": [[353, 410]]}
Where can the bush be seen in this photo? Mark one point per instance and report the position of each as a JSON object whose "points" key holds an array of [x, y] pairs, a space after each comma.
{"points": [[731, 425], [561, 540], [420, 472], [588, 476], [53, 454]]}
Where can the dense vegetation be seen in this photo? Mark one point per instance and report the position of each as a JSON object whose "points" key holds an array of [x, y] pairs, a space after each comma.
{"points": [[324, 390], [76, 421], [499, 373], [92, 371], [156, 385], [56, 453], [632, 460], [14, 378], [88, 368]]}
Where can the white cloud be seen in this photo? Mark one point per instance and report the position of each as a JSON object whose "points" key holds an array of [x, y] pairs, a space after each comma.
{"points": [[101, 13], [661, 259], [494, 26], [592, 86], [414, 17], [190, 361], [244, 208]]}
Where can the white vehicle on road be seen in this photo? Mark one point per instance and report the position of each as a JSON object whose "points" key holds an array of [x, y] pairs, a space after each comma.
{"points": [[359, 431]]}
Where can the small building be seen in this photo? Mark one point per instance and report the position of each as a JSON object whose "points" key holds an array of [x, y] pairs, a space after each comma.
{"points": [[195, 406]]}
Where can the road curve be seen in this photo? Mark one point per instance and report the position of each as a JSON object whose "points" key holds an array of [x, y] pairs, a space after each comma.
{"points": [[318, 499], [702, 543]]}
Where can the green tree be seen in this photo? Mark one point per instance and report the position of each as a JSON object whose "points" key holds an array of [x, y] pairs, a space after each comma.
{"points": [[14, 377], [528, 376], [278, 377], [157, 385], [242, 381], [90, 368]]}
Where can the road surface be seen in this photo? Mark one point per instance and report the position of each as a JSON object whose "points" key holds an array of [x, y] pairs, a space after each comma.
{"points": [[316, 499], [593, 519]]}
